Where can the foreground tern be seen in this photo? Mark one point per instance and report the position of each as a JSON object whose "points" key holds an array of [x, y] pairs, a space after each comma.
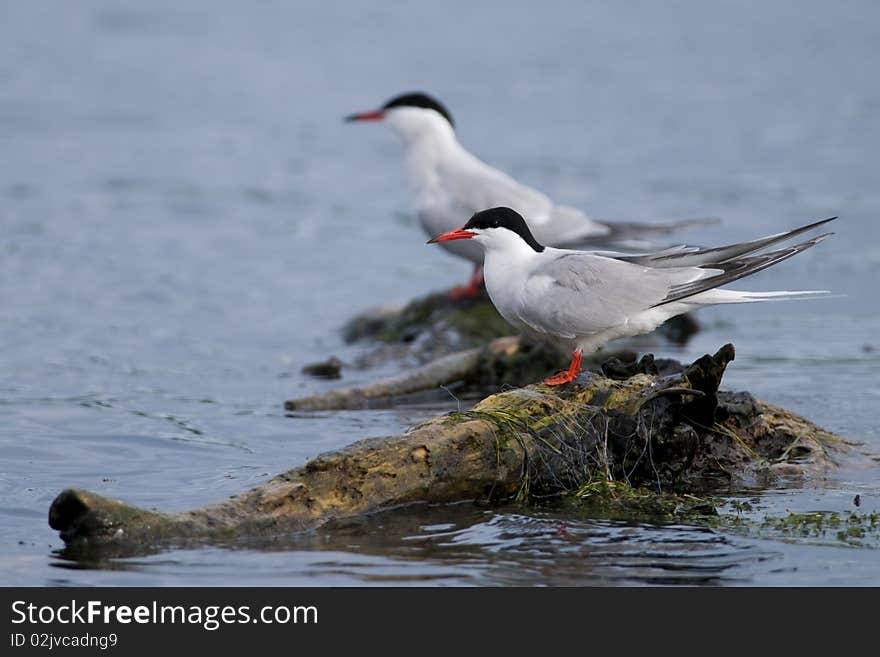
{"points": [[582, 299], [449, 182]]}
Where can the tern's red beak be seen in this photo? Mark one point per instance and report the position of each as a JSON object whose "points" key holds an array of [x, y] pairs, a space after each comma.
{"points": [[375, 115], [457, 234]]}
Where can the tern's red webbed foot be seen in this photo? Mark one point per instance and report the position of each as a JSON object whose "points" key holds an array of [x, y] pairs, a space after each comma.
{"points": [[568, 375], [559, 379], [472, 289], [464, 291]]}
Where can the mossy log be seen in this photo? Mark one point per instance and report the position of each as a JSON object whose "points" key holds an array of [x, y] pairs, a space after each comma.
{"points": [[672, 432]]}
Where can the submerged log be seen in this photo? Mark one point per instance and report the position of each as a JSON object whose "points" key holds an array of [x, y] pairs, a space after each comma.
{"points": [[667, 432]]}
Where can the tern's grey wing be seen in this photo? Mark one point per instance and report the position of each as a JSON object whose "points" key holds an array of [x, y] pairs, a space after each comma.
{"points": [[567, 225], [692, 256], [483, 187], [737, 268], [469, 183], [577, 294], [476, 186]]}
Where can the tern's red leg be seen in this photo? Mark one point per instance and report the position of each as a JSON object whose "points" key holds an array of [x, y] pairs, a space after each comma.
{"points": [[569, 374], [472, 289]]}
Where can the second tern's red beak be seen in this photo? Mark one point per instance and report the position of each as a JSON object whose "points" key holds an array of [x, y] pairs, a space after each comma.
{"points": [[457, 234], [375, 115]]}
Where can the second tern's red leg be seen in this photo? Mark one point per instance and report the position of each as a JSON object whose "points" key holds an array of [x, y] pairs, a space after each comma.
{"points": [[472, 289], [569, 374]]}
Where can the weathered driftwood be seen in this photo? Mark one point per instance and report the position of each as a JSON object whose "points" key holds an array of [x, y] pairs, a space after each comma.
{"points": [[503, 362], [669, 432], [439, 372]]}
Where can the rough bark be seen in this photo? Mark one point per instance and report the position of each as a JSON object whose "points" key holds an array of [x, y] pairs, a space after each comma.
{"points": [[504, 362], [439, 372], [670, 432]]}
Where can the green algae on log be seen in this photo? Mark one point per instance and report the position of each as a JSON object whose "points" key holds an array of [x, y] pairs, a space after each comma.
{"points": [[812, 527], [669, 433]]}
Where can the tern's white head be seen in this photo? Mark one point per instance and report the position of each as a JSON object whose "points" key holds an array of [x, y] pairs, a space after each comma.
{"points": [[413, 116], [496, 229]]}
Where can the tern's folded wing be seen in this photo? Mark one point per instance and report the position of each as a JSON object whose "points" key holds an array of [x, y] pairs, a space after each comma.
{"points": [[575, 294], [474, 185]]}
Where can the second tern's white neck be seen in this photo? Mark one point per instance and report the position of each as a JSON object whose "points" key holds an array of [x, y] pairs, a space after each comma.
{"points": [[430, 142]]}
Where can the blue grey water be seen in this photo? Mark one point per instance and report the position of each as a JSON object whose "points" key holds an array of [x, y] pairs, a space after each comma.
{"points": [[186, 222]]}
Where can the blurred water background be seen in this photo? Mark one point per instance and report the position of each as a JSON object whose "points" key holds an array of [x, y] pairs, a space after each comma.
{"points": [[185, 221]]}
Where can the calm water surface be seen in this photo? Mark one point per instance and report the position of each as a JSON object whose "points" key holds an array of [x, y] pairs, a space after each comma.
{"points": [[186, 222]]}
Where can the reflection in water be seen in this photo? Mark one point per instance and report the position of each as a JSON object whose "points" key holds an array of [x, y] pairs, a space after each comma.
{"points": [[466, 544]]}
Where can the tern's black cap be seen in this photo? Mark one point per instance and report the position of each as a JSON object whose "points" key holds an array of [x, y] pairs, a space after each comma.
{"points": [[419, 99], [502, 217]]}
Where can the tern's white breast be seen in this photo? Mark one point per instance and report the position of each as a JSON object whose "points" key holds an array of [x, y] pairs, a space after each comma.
{"points": [[506, 273]]}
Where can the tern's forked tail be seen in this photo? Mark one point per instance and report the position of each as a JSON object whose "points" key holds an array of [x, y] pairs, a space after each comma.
{"points": [[728, 271], [715, 296]]}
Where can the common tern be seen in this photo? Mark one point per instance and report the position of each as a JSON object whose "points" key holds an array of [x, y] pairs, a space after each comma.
{"points": [[449, 183], [582, 300]]}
